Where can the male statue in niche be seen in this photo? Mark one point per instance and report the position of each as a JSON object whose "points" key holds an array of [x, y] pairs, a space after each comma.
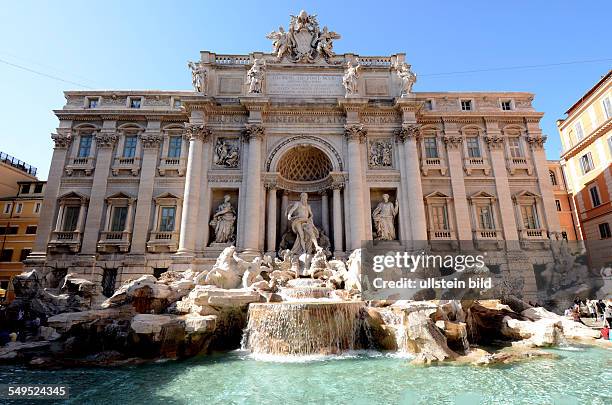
{"points": [[300, 217]]}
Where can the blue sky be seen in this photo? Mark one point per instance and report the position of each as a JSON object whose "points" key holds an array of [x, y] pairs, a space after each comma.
{"points": [[146, 44]]}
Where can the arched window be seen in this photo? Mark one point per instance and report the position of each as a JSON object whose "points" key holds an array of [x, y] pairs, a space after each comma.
{"points": [[553, 177]]}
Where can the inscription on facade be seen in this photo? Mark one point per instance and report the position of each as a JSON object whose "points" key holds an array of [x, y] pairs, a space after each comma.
{"points": [[304, 119], [288, 84]]}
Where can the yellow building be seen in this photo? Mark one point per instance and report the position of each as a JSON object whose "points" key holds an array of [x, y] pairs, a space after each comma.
{"points": [[586, 160], [19, 214]]}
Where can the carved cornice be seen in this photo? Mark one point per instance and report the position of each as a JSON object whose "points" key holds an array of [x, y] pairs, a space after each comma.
{"points": [[62, 139], [536, 141], [106, 139], [199, 132], [150, 140], [494, 142], [452, 141], [355, 132], [254, 132], [406, 132]]}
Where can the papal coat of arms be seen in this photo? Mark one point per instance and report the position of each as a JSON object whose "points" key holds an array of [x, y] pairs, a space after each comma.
{"points": [[304, 41]]}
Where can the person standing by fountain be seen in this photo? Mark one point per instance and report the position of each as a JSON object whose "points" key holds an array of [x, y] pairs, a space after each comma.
{"points": [[300, 217]]}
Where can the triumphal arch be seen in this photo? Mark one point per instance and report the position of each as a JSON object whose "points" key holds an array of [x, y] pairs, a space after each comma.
{"points": [[297, 148]]}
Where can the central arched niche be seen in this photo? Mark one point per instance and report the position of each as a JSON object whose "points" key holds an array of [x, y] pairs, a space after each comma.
{"points": [[304, 163]]}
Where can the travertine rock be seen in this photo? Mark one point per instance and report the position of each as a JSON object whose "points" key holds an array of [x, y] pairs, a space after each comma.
{"points": [[543, 332], [571, 329]]}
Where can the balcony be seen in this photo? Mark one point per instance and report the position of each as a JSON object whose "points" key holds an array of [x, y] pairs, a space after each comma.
{"points": [[488, 238], [442, 239], [113, 241], [85, 164], [178, 165], [163, 241], [534, 234], [533, 239], [433, 164], [126, 164], [476, 163], [17, 164], [519, 163], [65, 241]]}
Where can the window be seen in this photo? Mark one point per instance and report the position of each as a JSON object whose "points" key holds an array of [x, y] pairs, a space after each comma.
{"points": [[594, 192], [25, 189], [71, 217], [18, 208], [10, 230], [604, 231], [514, 144], [429, 105], [586, 163], [473, 147], [466, 105], [579, 132], [439, 218], [167, 219], [528, 214], [607, 107], [38, 188], [6, 255], [118, 219], [24, 254], [553, 177], [31, 229], [431, 148], [558, 204], [135, 102], [177, 103], [84, 146], [109, 276], [37, 208], [129, 146], [8, 207], [92, 102], [174, 147], [485, 217], [506, 105]]}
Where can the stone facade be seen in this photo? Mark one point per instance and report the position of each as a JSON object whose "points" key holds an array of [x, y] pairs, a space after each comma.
{"points": [[136, 176]]}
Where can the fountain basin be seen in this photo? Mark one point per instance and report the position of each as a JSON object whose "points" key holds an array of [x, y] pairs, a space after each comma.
{"points": [[303, 328]]}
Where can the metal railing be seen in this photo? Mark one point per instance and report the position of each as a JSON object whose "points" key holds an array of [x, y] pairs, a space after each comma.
{"points": [[18, 164]]}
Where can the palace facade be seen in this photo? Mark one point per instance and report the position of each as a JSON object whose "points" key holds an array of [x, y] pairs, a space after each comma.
{"points": [[137, 176]]}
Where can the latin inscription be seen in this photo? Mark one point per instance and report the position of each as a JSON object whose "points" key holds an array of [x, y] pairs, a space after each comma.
{"points": [[285, 84]]}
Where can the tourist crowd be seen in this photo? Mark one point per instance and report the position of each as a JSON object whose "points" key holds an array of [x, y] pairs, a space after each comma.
{"points": [[598, 310]]}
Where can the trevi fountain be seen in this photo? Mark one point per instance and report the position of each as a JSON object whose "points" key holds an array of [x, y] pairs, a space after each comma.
{"points": [[291, 325]]}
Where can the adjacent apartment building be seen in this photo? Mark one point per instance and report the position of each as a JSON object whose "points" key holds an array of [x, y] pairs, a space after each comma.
{"points": [[20, 205], [587, 153]]}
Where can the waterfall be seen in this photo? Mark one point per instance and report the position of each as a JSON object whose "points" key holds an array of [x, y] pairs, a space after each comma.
{"points": [[396, 321], [303, 328]]}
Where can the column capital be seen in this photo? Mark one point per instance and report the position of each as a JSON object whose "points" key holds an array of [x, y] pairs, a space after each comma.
{"points": [[494, 142], [452, 141], [106, 138], [197, 132], [62, 139], [150, 140], [536, 141], [254, 132], [406, 132], [355, 132]]}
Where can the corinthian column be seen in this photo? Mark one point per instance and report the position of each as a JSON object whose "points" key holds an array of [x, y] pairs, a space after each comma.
{"points": [[149, 141], [63, 140], [337, 214], [407, 138], [253, 134], [355, 135], [271, 237], [105, 142], [197, 135]]}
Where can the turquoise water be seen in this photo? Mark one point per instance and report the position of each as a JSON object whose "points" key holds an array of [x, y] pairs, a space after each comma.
{"points": [[579, 376]]}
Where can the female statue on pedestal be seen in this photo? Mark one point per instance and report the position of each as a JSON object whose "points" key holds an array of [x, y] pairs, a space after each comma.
{"points": [[223, 221], [384, 215]]}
